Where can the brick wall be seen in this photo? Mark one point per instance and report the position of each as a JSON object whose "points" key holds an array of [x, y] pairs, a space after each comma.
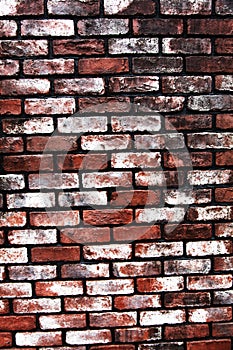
{"points": [[99, 248]]}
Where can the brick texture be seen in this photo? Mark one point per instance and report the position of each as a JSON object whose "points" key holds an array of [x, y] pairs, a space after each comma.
{"points": [[116, 180]]}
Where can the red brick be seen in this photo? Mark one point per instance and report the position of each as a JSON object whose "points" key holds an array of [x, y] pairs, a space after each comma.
{"points": [[217, 64], [133, 269], [110, 216], [210, 26], [15, 290], [187, 299], [136, 302], [224, 158], [5, 339], [137, 334], [21, 48], [186, 331], [103, 65], [48, 66], [21, 7], [19, 323], [187, 232], [9, 67], [224, 45], [4, 306], [11, 145], [113, 319], [135, 7], [188, 122], [38, 338], [104, 104], [186, 84], [209, 282], [134, 233], [197, 159], [41, 254], [10, 107], [224, 82], [135, 198], [8, 219], [158, 26], [113, 347], [24, 87], [134, 84], [82, 161], [225, 344], [85, 235], [224, 230], [224, 194], [222, 329], [160, 103], [160, 284], [223, 264], [78, 47], [60, 218], [224, 121], [53, 143], [8, 28], [28, 163], [62, 321]]}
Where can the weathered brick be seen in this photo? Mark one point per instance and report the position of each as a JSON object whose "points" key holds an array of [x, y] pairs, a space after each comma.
{"points": [[223, 264], [135, 198], [158, 26], [88, 303], [224, 82], [9, 67], [110, 252], [92, 161], [160, 284], [48, 66], [132, 7], [81, 86], [135, 160], [167, 346], [103, 65], [212, 314], [223, 7], [47, 27], [34, 306], [157, 65], [81, 125], [85, 47], [188, 122], [4, 306], [186, 46], [210, 213], [210, 140], [184, 159], [21, 7], [148, 318], [160, 103], [183, 267], [53, 181], [110, 287], [217, 64], [85, 270], [203, 248], [10, 107], [38, 338], [188, 7], [106, 179], [8, 219], [146, 250], [28, 126], [159, 141], [187, 299], [62, 321], [24, 87], [11, 182], [224, 46], [208, 177], [16, 290], [103, 26], [133, 46], [113, 319], [58, 288], [68, 199], [210, 345], [104, 104], [136, 123], [187, 84], [210, 103], [133, 269], [30, 200], [77, 8], [21, 48], [134, 84], [160, 214], [19, 323], [24, 272], [137, 334], [90, 336], [224, 229], [209, 282], [106, 142], [50, 106], [158, 178], [136, 302], [8, 28], [11, 145], [47, 254], [223, 297]]}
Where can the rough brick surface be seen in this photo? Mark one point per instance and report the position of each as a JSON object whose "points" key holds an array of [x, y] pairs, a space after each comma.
{"points": [[116, 174]]}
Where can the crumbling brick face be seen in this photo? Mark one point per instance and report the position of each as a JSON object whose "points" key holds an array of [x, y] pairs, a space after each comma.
{"points": [[110, 110]]}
